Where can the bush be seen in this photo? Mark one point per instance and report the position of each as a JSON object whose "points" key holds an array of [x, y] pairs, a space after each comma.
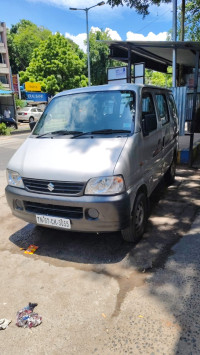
{"points": [[4, 130], [20, 103]]}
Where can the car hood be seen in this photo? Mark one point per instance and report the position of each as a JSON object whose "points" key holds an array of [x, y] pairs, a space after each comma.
{"points": [[67, 159]]}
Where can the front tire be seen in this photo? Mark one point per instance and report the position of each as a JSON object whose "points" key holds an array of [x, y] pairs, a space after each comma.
{"points": [[135, 230]]}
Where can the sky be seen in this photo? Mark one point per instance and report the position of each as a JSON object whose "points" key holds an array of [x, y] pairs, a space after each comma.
{"points": [[122, 23]]}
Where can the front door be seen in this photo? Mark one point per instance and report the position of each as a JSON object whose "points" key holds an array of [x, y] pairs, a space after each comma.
{"points": [[167, 131], [152, 141]]}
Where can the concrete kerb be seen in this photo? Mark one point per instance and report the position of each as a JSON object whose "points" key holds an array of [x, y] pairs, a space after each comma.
{"points": [[20, 131], [183, 152]]}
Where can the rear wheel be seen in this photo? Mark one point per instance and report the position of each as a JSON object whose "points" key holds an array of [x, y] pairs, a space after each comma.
{"points": [[171, 172], [135, 230], [31, 119]]}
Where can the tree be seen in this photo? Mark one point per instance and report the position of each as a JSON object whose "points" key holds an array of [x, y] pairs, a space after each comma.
{"points": [[23, 38], [142, 7], [159, 79], [99, 57], [192, 20], [58, 64]]}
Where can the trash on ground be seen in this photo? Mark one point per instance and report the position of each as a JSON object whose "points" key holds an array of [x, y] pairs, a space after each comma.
{"points": [[26, 318], [4, 323], [31, 249], [140, 316], [103, 315]]}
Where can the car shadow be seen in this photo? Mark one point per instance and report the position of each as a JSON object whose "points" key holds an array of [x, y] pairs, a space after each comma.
{"points": [[86, 248]]}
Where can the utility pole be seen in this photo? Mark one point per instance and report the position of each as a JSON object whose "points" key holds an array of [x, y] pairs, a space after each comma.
{"points": [[174, 40]]}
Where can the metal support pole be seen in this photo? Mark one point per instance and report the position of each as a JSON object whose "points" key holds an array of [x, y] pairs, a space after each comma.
{"points": [[88, 47], [174, 39], [174, 68], [129, 65], [87, 32], [194, 107]]}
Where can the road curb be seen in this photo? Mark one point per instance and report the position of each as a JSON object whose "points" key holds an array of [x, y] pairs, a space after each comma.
{"points": [[183, 154], [20, 132]]}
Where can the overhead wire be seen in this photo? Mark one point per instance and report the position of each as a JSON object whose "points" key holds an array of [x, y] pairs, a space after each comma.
{"points": [[137, 31]]}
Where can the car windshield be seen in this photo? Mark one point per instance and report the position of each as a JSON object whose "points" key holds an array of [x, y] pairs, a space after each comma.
{"points": [[88, 112]]}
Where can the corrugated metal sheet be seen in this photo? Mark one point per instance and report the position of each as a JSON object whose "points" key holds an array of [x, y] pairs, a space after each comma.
{"points": [[180, 97], [190, 105], [184, 104]]}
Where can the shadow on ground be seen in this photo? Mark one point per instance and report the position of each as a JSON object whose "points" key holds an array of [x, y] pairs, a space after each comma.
{"points": [[172, 210]]}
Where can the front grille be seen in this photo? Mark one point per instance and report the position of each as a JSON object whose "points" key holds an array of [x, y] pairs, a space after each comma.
{"points": [[54, 210], [59, 187]]}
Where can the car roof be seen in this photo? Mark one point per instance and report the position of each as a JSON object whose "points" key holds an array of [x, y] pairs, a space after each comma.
{"points": [[108, 87]]}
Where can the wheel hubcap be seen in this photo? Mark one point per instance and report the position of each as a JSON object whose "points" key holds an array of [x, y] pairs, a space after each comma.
{"points": [[139, 216]]}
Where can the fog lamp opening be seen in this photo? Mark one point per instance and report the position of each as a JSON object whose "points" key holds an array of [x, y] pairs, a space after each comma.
{"points": [[18, 205], [92, 213]]}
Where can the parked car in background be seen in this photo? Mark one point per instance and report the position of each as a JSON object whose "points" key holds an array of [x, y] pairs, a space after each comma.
{"points": [[29, 114], [10, 122]]}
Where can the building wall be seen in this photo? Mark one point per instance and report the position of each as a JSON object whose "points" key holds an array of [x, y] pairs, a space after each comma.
{"points": [[4, 58]]}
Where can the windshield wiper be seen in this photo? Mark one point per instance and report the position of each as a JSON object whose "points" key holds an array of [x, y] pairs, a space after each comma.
{"points": [[60, 132], [102, 131]]}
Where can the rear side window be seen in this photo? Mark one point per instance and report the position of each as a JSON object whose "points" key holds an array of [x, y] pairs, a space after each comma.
{"points": [[162, 108], [149, 119], [147, 104]]}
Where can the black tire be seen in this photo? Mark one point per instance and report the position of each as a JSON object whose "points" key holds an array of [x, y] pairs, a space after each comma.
{"points": [[135, 230], [171, 173], [31, 119]]}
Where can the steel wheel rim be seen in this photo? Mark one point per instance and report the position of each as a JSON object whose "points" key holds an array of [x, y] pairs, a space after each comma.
{"points": [[139, 216]]}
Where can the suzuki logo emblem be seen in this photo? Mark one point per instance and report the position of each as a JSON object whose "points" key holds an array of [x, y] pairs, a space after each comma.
{"points": [[50, 186]]}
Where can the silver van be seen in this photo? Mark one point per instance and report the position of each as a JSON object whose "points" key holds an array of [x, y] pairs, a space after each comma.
{"points": [[93, 159]]}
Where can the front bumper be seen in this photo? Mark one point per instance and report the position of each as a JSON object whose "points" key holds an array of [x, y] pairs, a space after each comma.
{"points": [[114, 211]]}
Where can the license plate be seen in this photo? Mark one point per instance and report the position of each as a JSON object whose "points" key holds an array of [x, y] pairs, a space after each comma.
{"points": [[53, 221]]}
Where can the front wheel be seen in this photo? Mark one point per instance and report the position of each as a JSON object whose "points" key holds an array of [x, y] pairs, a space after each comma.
{"points": [[135, 230]]}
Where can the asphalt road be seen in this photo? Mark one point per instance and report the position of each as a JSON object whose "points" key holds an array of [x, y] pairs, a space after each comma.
{"points": [[96, 293]]}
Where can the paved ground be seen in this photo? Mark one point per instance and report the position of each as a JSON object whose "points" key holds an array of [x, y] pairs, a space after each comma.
{"points": [[100, 295]]}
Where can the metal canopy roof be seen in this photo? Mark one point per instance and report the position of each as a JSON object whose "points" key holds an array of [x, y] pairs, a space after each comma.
{"points": [[157, 55], [5, 92]]}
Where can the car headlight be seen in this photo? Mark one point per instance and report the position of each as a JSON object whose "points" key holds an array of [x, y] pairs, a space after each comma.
{"points": [[14, 179], [105, 185]]}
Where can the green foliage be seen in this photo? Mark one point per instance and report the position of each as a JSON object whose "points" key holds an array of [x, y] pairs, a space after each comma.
{"points": [[158, 79], [58, 64], [99, 57], [20, 103], [1, 86], [141, 7], [192, 20], [4, 130], [22, 39]]}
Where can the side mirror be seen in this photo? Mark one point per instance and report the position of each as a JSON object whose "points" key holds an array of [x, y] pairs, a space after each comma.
{"points": [[32, 125], [149, 123]]}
